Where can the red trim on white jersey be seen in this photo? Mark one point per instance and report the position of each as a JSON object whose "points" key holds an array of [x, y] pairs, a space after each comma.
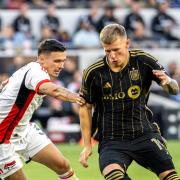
{"points": [[41, 82], [20, 115], [7, 121], [7, 126]]}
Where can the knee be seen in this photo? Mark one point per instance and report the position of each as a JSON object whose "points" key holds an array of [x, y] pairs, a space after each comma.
{"points": [[116, 174], [63, 166]]}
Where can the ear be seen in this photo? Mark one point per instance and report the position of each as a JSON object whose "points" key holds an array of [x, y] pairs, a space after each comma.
{"points": [[128, 43], [41, 58]]}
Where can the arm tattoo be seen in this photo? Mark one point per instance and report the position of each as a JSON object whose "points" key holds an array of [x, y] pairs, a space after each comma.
{"points": [[64, 94], [44, 91], [172, 87], [60, 93]]}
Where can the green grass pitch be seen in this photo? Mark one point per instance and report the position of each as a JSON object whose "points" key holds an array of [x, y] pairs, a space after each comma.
{"points": [[37, 171]]}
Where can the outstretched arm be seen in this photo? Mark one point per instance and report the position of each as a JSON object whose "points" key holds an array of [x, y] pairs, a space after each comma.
{"points": [[60, 93], [85, 112], [170, 85]]}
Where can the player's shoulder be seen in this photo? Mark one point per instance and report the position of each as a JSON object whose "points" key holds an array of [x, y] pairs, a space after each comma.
{"points": [[36, 66], [96, 66], [142, 55]]}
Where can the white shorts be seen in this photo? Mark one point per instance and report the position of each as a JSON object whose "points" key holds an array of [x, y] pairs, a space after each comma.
{"points": [[11, 155]]}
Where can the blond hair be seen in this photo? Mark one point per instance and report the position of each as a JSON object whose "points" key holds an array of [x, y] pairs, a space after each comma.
{"points": [[111, 32]]}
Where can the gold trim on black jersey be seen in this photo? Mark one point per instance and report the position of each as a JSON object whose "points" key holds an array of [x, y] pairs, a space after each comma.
{"points": [[92, 67], [138, 53]]}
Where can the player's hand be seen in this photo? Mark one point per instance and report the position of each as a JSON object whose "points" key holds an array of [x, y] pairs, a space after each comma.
{"points": [[80, 100], [86, 152], [165, 79]]}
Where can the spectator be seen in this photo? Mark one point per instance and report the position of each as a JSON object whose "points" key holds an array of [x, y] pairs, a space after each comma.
{"points": [[150, 3], [13, 42], [51, 20], [173, 69], [175, 3], [92, 18], [140, 39], [133, 19], [13, 4], [86, 37], [65, 38], [67, 73], [107, 18], [74, 86], [40, 3], [18, 62], [163, 23], [22, 23], [46, 33]]}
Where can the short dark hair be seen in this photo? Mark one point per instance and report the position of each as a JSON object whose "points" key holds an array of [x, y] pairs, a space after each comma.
{"points": [[50, 45]]}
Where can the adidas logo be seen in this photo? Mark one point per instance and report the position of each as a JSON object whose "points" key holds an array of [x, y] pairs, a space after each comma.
{"points": [[107, 85]]}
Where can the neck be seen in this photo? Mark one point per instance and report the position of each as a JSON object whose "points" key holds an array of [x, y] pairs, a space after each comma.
{"points": [[121, 66]]}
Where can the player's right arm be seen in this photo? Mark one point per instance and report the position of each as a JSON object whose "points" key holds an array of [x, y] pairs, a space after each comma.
{"points": [[41, 83], [85, 114], [61, 93]]}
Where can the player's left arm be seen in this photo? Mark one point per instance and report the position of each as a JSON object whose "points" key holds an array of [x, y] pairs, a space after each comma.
{"points": [[168, 84]]}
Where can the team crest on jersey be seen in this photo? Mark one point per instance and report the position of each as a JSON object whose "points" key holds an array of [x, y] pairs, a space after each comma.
{"points": [[134, 91], [134, 75]]}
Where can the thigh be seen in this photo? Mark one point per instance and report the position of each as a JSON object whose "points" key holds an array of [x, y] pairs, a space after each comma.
{"points": [[112, 153], [35, 141], [152, 154], [18, 175], [42, 150], [10, 162]]}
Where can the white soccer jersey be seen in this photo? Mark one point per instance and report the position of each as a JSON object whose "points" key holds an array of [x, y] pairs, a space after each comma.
{"points": [[19, 99]]}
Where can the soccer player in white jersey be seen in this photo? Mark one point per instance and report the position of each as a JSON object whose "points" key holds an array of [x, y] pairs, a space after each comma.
{"points": [[20, 96]]}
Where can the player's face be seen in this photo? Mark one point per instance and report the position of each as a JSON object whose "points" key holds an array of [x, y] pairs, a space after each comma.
{"points": [[117, 52], [54, 63]]}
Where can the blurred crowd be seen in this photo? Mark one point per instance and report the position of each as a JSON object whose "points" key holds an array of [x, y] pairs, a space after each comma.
{"points": [[18, 34], [18, 37], [41, 4]]}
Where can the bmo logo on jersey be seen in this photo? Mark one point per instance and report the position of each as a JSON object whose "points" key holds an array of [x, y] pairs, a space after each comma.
{"points": [[10, 165]]}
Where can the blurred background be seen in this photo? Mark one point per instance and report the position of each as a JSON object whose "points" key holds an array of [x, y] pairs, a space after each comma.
{"points": [[152, 25]]}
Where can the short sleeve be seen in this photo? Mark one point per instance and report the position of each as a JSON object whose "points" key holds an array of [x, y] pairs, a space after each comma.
{"points": [[153, 64], [87, 90], [36, 76]]}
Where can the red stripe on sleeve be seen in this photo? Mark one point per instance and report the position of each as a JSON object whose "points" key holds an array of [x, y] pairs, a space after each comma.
{"points": [[39, 83]]}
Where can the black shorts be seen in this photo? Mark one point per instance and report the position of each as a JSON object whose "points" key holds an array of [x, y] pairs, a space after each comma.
{"points": [[148, 151]]}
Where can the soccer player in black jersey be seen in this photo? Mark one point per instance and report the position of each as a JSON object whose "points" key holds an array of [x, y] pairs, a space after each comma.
{"points": [[116, 90]]}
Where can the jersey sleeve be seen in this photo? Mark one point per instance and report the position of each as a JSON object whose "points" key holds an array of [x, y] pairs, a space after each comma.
{"points": [[153, 64], [35, 77], [87, 90]]}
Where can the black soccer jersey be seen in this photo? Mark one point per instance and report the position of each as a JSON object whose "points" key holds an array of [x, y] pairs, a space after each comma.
{"points": [[120, 98]]}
